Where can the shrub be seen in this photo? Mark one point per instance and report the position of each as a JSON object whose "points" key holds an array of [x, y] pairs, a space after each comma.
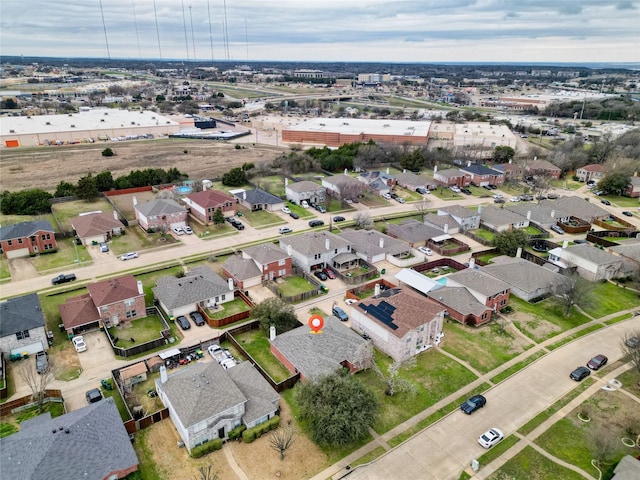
{"points": [[251, 434], [248, 436], [207, 447], [237, 432], [107, 152]]}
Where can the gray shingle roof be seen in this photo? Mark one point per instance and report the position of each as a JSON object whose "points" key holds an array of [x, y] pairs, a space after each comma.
{"points": [[304, 186], [20, 313], [458, 211], [450, 173], [500, 216], [459, 299], [199, 284], [522, 274], [592, 254], [262, 399], [628, 249], [481, 170], [24, 229], [540, 214], [256, 196], [319, 354], [439, 221], [265, 253], [477, 280], [578, 207], [314, 242], [158, 207], [241, 268], [341, 180], [97, 445], [413, 231], [367, 242]]}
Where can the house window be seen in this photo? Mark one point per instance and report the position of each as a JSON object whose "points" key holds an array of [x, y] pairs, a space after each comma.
{"points": [[105, 309], [223, 297], [48, 247], [19, 241], [9, 242], [131, 314], [129, 302], [22, 335], [46, 236], [282, 262]]}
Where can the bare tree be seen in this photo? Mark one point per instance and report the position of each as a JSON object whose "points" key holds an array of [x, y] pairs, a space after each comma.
{"points": [[392, 380], [631, 347], [422, 207], [363, 221], [206, 474], [37, 382], [573, 290], [363, 356], [282, 439], [603, 444]]}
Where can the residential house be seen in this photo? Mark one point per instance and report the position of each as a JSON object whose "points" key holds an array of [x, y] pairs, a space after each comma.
{"points": [[526, 280], [272, 261], [378, 182], [540, 214], [305, 190], [591, 172], [511, 171], [374, 246], [413, 232], [446, 223], [118, 300], [200, 287], [259, 200], [633, 189], [203, 205], [27, 238], [501, 219], [451, 177], [590, 262], [206, 401], [543, 167], [467, 218], [629, 251], [577, 207], [160, 215], [22, 325], [343, 186], [481, 175], [97, 227], [315, 250], [243, 271], [411, 181], [491, 292], [89, 443], [399, 321], [313, 355], [628, 468], [79, 314]]}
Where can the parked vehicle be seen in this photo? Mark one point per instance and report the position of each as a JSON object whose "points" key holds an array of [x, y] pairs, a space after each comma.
{"points": [[329, 273], [498, 200], [283, 230], [94, 395], [286, 210], [557, 229], [422, 190], [597, 362], [316, 223], [552, 196], [340, 314], [321, 209], [321, 275], [79, 344], [187, 230], [489, 438], [197, 318], [580, 374], [605, 201], [294, 215], [63, 278], [338, 218], [178, 230], [183, 322], [466, 191], [129, 256], [627, 213], [42, 362], [238, 225], [387, 196], [425, 250], [304, 204], [474, 403], [104, 247], [399, 199]]}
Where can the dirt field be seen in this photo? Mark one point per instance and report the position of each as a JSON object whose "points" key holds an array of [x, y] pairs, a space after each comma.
{"points": [[45, 167]]}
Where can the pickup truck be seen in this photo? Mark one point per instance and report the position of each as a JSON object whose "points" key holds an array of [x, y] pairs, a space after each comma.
{"points": [[42, 362], [63, 278]]}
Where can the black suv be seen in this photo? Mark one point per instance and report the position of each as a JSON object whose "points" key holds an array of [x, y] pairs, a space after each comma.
{"points": [[197, 318], [316, 223], [64, 278]]}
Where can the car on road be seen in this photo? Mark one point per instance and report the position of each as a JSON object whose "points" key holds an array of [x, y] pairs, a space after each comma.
{"points": [[197, 318], [316, 223], [63, 278], [338, 218], [187, 230], [604, 201], [104, 247], [321, 275], [580, 373], [340, 314], [183, 322], [294, 215], [129, 256], [238, 225], [42, 362], [79, 343], [489, 438], [557, 229], [597, 362], [93, 395], [178, 230], [329, 273], [552, 196], [474, 403], [627, 213], [498, 200], [283, 230], [425, 250], [286, 210]]}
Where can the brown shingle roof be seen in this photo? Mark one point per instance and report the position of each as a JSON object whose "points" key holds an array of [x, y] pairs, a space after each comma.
{"points": [[114, 290], [95, 224], [78, 311], [210, 198]]}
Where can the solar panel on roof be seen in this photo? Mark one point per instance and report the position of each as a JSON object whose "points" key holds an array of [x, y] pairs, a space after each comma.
{"points": [[383, 312]]}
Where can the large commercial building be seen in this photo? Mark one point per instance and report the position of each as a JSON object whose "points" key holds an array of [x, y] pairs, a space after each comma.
{"points": [[334, 132], [83, 127]]}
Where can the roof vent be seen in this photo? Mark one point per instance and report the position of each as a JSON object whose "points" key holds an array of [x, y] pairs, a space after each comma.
{"points": [[66, 430]]}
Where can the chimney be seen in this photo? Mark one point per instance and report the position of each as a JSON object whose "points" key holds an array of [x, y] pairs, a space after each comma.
{"points": [[435, 169], [519, 252], [376, 293], [529, 215], [230, 283], [286, 181], [472, 262], [115, 215], [272, 333], [140, 289], [327, 243], [289, 250], [404, 170], [446, 228], [244, 195], [468, 163], [565, 243], [381, 243], [553, 214], [479, 209], [163, 374], [387, 170], [135, 200]]}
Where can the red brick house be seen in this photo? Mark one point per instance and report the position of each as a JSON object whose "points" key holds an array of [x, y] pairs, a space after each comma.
{"points": [[203, 205], [543, 167], [161, 215], [491, 292], [591, 172], [118, 299], [27, 238]]}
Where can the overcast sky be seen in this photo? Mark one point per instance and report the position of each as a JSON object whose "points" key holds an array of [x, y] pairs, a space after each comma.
{"points": [[326, 30]]}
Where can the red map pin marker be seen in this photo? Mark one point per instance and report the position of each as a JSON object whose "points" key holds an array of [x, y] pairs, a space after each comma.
{"points": [[316, 322]]}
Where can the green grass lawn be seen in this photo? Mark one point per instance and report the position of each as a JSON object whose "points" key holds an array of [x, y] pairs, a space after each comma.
{"points": [[435, 376], [65, 211], [294, 285], [607, 298], [621, 201], [5, 274], [227, 309], [117, 399], [273, 184], [484, 348], [68, 255], [142, 330], [532, 465], [137, 239], [49, 305], [301, 212], [257, 345], [484, 234], [11, 219], [260, 218]]}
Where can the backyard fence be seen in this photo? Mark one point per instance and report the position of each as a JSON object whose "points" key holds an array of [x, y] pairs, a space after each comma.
{"points": [[8, 407]]}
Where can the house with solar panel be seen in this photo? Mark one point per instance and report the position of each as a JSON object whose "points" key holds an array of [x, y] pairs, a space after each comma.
{"points": [[399, 321]]}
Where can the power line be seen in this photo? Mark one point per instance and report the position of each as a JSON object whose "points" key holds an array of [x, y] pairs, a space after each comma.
{"points": [[193, 38], [155, 11], [184, 22], [210, 30], [104, 27], [135, 23]]}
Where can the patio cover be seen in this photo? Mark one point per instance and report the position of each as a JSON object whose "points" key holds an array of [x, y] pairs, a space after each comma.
{"points": [[441, 238], [170, 353]]}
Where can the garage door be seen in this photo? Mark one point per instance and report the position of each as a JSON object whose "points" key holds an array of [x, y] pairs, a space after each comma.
{"points": [[29, 349], [178, 224], [20, 252]]}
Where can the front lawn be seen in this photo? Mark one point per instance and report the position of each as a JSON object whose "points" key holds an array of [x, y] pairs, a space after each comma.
{"points": [[294, 285], [607, 298], [227, 309], [260, 218], [5, 274], [258, 346], [68, 255], [532, 465], [137, 239], [65, 211]]}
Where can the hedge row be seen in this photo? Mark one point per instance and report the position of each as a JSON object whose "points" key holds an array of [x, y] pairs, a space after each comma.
{"points": [[251, 434], [207, 447], [237, 432]]}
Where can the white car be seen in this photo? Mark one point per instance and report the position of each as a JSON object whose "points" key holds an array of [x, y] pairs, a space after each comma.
{"points": [[129, 256], [178, 230], [489, 438], [425, 250], [455, 189], [514, 199], [286, 210], [187, 230], [304, 204], [78, 343]]}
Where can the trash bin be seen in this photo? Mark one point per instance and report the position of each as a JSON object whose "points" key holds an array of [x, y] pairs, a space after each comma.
{"points": [[383, 271]]}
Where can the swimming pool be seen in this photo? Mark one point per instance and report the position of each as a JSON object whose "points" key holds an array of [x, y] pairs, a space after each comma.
{"points": [[183, 190]]}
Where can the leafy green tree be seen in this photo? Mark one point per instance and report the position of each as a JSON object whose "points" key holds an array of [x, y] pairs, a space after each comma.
{"points": [[65, 189], [25, 202], [108, 152], [274, 311], [614, 182], [160, 98], [503, 154], [339, 409], [104, 181], [509, 241], [9, 104], [413, 160], [218, 217], [87, 188], [234, 177]]}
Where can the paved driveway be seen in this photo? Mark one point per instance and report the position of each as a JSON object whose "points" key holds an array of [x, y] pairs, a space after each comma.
{"points": [[443, 450]]}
